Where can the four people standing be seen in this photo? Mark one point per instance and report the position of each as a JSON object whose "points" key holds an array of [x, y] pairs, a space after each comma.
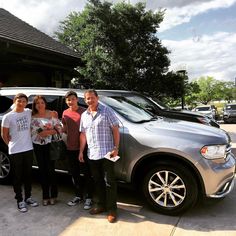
{"points": [[99, 136]]}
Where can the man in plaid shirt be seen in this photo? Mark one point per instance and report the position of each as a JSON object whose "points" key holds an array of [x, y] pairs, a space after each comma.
{"points": [[99, 128]]}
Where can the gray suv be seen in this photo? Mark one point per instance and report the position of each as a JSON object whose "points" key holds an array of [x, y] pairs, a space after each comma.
{"points": [[174, 163]]}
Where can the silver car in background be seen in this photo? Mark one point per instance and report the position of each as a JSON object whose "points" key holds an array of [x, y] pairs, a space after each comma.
{"points": [[174, 163]]}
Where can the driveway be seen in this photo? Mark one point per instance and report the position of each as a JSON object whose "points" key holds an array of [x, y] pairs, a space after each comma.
{"points": [[213, 218]]}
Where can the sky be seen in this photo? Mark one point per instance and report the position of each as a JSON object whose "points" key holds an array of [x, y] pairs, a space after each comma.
{"points": [[200, 34]]}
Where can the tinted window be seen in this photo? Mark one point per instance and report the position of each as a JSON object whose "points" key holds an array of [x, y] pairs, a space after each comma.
{"points": [[231, 107], [127, 109], [202, 108], [53, 103], [6, 102], [81, 103]]}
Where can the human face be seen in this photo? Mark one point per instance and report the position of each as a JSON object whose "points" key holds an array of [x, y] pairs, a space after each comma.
{"points": [[20, 104], [91, 100], [72, 102], [40, 105]]}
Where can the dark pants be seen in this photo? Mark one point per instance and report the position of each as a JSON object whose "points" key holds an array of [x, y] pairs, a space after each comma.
{"points": [[81, 175], [105, 183], [46, 171], [22, 169]]}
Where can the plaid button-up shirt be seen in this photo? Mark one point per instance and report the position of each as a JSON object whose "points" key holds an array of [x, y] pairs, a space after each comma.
{"points": [[98, 131]]}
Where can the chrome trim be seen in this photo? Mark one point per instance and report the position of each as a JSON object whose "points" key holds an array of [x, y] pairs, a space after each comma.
{"points": [[228, 187]]}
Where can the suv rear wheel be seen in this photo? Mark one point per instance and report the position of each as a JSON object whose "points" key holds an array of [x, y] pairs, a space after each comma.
{"points": [[5, 168], [170, 188]]}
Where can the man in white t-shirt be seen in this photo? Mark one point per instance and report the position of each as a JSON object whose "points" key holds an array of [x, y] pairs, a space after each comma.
{"points": [[16, 134]]}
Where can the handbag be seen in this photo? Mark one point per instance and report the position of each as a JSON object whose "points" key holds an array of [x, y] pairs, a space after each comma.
{"points": [[57, 147]]}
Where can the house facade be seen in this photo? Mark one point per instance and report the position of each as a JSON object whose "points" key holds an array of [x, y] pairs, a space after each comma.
{"points": [[29, 57]]}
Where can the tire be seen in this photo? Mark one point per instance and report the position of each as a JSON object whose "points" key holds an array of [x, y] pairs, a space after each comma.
{"points": [[5, 168], [167, 199]]}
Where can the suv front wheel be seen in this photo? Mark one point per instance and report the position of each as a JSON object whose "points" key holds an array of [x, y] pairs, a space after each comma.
{"points": [[5, 168], [170, 188]]}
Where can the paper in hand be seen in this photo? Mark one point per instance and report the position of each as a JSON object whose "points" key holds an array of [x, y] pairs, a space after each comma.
{"points": [[114, 159]]}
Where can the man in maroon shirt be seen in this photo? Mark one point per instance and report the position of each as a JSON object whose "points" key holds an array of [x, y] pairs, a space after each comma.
{"points": [[71, 124]]}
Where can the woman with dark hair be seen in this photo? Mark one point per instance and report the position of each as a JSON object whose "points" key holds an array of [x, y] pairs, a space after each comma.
{"points": [[44, 125]]}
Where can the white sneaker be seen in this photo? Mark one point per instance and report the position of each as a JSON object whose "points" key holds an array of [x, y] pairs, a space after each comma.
{"points": [[22, 207], [30, 201], [88, 203], [74, 201]]}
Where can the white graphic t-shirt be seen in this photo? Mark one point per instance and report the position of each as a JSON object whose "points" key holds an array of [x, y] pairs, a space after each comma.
{"points": [[19, 129]]}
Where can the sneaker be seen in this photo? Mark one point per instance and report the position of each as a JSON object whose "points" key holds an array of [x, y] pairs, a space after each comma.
{"points": [[22, 207], [74, 201], [88, 203], [30, 201]]}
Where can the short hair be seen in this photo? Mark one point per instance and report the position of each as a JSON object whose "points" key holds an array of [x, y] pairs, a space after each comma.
{"points": [[36, 98], [71, 93], [91, 91], [20, 95]]}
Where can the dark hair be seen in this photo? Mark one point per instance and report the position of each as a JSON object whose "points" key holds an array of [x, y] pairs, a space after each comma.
{"points": [[36, 98], [71, 93], [20, 95], [91, 91]]}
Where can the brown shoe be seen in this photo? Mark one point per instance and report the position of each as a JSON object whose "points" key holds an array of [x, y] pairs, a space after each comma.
{"points": [[52, 201], [45, 202], [112, 217], [96, 210]]}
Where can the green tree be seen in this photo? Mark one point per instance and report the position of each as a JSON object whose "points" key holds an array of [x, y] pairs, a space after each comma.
{"points": [[207, 87], [119, 47], [212, 89]]}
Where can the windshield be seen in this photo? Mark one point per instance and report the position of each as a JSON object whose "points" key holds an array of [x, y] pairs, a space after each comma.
{"points": [[128, 109], [202, 108], [230, 107]]}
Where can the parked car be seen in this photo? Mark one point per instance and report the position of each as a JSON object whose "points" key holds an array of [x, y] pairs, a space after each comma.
{"points": [[229, 113], [173, 162], [180, 108], [160, 109], [207, 110]]}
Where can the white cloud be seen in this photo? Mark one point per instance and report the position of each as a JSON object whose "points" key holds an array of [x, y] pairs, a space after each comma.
{"points": [[179, 15], [45, 15], [211, 56]]}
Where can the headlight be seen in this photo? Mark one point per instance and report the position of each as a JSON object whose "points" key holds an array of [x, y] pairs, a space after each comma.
{"points": [[214, 151]]}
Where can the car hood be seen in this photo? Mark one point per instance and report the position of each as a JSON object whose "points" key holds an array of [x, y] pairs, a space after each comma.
{"points": [[187, 130], [184, 112]]}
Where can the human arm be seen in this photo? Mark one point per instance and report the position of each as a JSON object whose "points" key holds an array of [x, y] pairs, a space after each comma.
{"points": [[83, 142], [5, 135], [116, 138], [54, 114], [63, 120]]}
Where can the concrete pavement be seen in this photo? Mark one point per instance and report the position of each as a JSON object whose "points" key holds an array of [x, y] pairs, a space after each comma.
{"points": [[135, 219]]}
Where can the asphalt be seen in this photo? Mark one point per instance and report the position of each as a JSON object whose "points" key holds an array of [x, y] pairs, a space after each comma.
{"points": [[212, 218]]}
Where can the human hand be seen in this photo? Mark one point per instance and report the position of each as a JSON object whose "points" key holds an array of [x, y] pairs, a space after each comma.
{"points": [[81, 157]]}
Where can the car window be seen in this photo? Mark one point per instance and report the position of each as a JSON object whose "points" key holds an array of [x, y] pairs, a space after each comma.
{"points": [[202, 108], [127, 109], [53, 103], [81, 103], [143, 103], [6, 103], [231, 107]]}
